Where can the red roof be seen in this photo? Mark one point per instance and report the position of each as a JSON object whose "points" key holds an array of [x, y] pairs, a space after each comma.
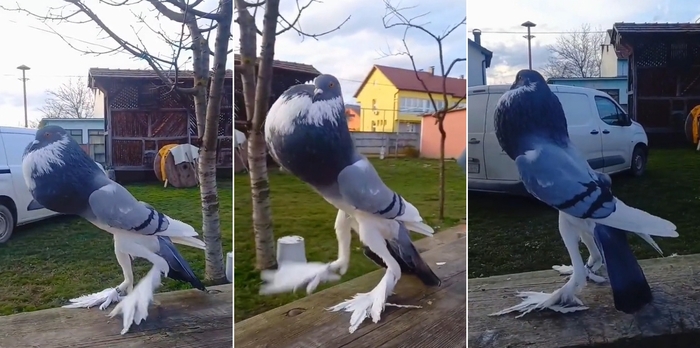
{"points": [[405, 80]]}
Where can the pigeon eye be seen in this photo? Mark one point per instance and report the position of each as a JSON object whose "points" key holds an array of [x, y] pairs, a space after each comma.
{"points": [[46, 135], [331, 85]]}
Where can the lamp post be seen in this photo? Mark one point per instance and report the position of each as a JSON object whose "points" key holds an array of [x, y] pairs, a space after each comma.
{"points": [[529, 37], [24, 69]]}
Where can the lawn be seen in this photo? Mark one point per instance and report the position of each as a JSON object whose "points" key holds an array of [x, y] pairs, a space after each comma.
{"points": [[297, 210], [46, 263], [515, 234]]}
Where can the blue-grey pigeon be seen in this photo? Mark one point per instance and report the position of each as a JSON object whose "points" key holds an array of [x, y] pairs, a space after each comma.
{"points": [[63, 178], [307, 134], [531, 129]]}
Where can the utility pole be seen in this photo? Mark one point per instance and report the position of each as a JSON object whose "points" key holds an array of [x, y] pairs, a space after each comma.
{"points": [[529, 37], [24, 79]]}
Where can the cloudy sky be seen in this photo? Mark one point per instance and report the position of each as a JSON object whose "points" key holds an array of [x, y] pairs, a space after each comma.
{"points": [[53, 61], [503, 35], [350, 52]]}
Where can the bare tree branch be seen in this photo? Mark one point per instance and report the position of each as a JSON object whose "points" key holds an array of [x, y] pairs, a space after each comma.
{"points": [[394, 17], [73, 99], [576, 54], [295, 24]]}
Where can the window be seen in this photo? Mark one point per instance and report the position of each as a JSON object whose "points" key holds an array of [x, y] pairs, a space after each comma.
{"points": [[576, 107], [610, 113], [419, 105], [96, 143], [76, 134], [613, 93]]}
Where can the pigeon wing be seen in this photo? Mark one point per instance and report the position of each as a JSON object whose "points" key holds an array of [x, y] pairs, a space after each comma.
{"points": [[360, 186], [115, 207], [566, 182]]}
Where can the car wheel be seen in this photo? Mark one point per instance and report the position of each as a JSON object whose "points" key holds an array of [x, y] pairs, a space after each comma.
{"points": [[639, 161], [7, 224]]}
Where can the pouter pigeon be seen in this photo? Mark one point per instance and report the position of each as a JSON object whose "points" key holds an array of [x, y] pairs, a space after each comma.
{"points": [[307, 133], [531, 128], [63, 178]]}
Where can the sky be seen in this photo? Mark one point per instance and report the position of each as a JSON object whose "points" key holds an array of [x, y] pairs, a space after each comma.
{"points": [[350, 52], [53, 61], [503, 35]]}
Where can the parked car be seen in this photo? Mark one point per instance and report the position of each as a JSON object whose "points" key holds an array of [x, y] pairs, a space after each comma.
{"points": [[14, 194], [598, 127]]}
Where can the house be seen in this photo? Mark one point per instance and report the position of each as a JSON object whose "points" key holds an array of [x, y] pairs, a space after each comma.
{"points": [[664, 74], [88, 132], [353, 114], [614, 59], [479, 60], [455, 125], [616, 87], [141, 116], [393, 99]]}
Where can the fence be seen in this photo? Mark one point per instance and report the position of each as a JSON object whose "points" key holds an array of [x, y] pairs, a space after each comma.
{"points": [[371, 143]]}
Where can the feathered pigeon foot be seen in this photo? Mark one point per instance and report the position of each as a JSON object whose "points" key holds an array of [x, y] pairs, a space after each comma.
{"points": [[134, 307], [291, 276], [103, 298], [590, 272], [370, 304], [563, 300]]}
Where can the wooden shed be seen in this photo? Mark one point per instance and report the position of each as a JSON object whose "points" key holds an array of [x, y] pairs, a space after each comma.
{"points": [[141, 115], [664, 73]]}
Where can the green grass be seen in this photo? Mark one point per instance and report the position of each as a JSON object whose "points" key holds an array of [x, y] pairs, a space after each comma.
{"points": [[297, 210], [46, 263], [515, 234]]}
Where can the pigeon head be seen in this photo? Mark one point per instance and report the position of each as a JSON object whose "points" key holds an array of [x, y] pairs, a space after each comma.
{"points": [[527, 111], [47, 136], [326, 87], [529, 78]]}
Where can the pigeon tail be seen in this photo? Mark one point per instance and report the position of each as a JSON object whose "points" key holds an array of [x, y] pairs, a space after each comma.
{"points": [[630, 288], [405, 253], [179, 269]]}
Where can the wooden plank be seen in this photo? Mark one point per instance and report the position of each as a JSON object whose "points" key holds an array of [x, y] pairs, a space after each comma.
{"points": [[673, 315], [440, 323], [188, 318]]}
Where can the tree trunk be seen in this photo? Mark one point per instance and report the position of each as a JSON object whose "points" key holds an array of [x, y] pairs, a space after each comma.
{"points": [[262, 209], [443, 136], [211, 224]]}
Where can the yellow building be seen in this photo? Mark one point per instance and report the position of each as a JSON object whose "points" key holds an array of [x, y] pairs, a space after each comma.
{"points": [[393, 99]]}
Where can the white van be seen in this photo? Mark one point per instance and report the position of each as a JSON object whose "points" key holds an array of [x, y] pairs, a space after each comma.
{"points": [[598, 127], [14, 194]]}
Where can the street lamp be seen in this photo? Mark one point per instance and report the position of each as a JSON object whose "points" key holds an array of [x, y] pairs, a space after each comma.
{"points": [[529, 37], [24, 69]]}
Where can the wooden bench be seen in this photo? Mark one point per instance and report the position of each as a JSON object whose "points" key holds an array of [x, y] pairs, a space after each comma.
{"points": [[440, 323], [188, 318], [671, 320]]}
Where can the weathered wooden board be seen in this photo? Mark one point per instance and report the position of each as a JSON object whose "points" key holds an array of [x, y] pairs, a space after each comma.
{"points": [[671, 320], [440, 323], [188, 318]]}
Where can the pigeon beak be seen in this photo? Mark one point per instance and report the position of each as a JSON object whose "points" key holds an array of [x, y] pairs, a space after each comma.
{"points": [[317, 91]]}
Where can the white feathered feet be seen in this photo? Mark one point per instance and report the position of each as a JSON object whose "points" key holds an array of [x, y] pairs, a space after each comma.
{"points": [[134, 307], [103, 298], [370, 304], [291, 276]]}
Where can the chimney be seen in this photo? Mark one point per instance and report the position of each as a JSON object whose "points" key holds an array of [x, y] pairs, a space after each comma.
{"points": [[431, 70], [477, 36], [461, 77]]}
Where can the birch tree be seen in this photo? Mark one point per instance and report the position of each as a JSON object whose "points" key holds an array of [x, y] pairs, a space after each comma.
{"points": [[395, 18], [208, 66], [256, 94]]}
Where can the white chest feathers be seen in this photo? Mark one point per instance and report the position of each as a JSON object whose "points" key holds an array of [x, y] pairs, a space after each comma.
{"points": [[39, 161]]}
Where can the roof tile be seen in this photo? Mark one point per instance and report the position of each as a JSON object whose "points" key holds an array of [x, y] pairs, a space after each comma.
{"points": [[405, 79]]}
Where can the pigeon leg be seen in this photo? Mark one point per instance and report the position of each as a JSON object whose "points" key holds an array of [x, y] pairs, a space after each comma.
{"points": [[595, 258], [108, 296], [563, 300], [371, 304], [134, 307], [343, 233]]}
